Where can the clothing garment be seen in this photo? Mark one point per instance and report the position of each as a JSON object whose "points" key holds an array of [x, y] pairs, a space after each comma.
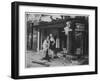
{"points": [[57, 43], [52, 43], [45, 44], [45, 50]]}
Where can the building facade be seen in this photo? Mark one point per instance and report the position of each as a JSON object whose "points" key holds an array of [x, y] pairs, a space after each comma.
{"points": [[70, 33]]}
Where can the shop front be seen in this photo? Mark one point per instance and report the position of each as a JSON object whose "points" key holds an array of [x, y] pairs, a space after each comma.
{"points": [[74, 42]]}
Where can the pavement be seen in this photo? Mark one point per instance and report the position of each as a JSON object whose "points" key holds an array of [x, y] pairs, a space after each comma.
{"points": [[35, 59]]}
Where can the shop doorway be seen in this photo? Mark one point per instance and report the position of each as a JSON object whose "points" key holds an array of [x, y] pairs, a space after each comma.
{"points": [[58, 34]]}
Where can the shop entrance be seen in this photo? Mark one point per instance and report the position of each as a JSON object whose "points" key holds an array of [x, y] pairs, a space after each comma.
{"points": [[58, 34]]}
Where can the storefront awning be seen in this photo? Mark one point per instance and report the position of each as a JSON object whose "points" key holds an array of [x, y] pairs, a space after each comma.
{"points": [[58, 25]]}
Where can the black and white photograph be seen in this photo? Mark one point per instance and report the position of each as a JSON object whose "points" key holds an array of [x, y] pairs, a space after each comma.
{"points": [[50, 40], [56, 40]]}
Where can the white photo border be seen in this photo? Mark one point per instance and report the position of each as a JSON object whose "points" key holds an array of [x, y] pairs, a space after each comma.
{"points": [[55, 70]]}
